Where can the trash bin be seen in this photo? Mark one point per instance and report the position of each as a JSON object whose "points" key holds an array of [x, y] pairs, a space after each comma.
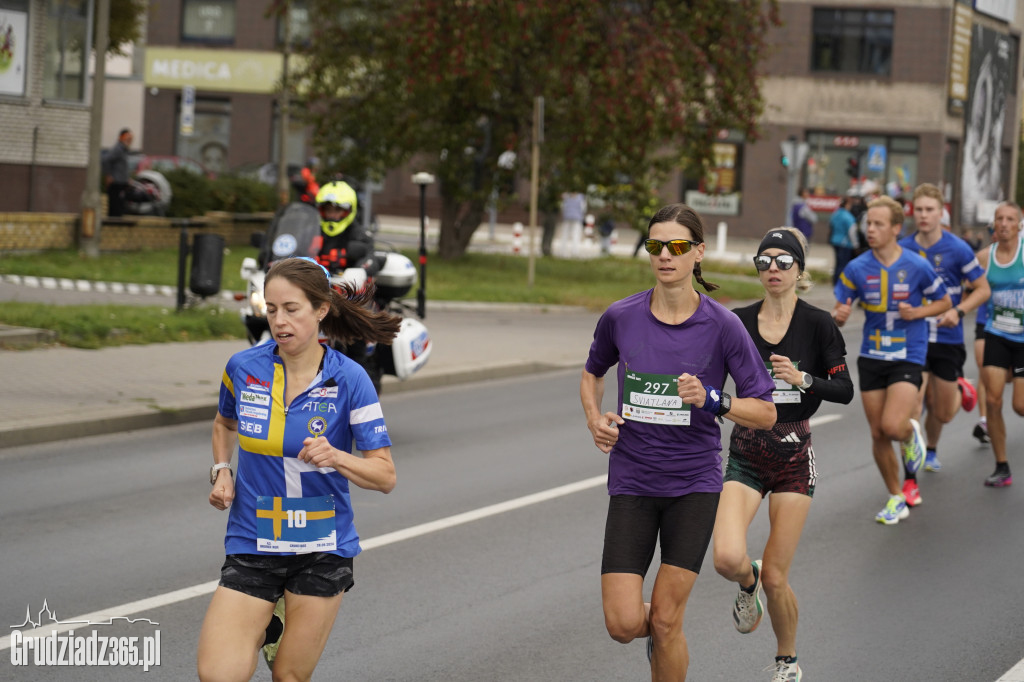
{"points": [[207, 259]]}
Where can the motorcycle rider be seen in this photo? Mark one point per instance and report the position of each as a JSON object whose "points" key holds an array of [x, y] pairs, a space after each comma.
{"points": [[345, 244]]}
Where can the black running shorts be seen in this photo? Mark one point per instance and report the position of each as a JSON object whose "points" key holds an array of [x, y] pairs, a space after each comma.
{"points": [[267, 577], [946, 360], [634, 522], [1001, 352], [877, 375]]}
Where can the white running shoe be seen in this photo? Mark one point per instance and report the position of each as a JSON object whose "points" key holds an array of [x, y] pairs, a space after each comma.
{"points": [[747, 609]]}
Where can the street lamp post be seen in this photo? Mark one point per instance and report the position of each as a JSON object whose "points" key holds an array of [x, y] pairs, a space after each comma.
{"points": [[423, 179]]}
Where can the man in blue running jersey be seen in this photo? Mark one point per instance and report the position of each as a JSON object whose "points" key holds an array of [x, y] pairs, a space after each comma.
{"points": [[955, 263], [897, 290]]}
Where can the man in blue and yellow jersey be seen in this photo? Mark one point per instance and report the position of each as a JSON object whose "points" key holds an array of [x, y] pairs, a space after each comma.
{"points": [[897, 290], [955, 263]]}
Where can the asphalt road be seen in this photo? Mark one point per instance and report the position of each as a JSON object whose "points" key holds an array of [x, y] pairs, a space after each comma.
{"points": [[514, 595]]}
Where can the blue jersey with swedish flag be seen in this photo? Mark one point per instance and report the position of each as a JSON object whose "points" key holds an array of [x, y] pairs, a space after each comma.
{"points": [[880, 290], [283, 505], [954, 262]]}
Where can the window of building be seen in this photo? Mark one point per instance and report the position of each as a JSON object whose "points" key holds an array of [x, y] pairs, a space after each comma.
{"points": [[301, 29], [208, 20], [211, 135], [13, 46], [68, 37], [852, 41], [884, 164]]}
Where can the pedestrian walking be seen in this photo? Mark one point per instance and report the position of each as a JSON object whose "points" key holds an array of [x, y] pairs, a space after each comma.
{"points": [[943, 389], [806, 356], [292, 409], [842, 236], [116, 173], [574, 207], [1004, 332], [673, 348], [802, 215], [891, 285]]}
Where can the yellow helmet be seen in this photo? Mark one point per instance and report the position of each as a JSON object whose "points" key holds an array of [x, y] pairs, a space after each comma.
{"points": [[338, 194]]}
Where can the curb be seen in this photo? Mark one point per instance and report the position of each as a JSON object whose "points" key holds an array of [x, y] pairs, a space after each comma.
{"points": [[205, 411]]}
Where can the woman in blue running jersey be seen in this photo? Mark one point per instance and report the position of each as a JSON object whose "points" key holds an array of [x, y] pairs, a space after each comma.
{"points": [[292, 410]]}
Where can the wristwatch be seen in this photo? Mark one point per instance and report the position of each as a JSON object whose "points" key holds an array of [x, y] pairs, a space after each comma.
{"points": [[215, 469], [960, 313], [805, 381], [725, 405]]}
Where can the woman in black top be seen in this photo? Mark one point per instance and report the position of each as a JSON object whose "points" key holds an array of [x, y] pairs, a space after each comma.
{"points": [[806, 354]]}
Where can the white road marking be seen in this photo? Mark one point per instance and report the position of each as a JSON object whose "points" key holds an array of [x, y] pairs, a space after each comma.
{"points": [[131, 608]]}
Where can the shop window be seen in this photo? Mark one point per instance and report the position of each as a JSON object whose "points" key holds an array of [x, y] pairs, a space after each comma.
{"points": [[883, 164], [13, 46], [211, 136], [852, 41], [68, 37], [301, 29], [208, 20]]}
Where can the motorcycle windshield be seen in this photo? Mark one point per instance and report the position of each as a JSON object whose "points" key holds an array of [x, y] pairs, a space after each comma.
{"points": [[292, 233]]}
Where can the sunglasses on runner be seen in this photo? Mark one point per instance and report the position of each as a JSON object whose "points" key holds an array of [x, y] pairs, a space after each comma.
{"points": [[783, 260], [677, 247]]}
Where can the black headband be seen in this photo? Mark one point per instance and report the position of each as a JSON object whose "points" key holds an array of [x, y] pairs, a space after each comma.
{"points": [[785, 240]]}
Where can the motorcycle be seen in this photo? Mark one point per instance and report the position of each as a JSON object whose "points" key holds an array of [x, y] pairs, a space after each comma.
{"points": [[294, 232]]}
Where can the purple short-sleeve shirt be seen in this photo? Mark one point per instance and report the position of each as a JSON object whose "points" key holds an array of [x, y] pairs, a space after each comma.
{"points": [[668, 460]]}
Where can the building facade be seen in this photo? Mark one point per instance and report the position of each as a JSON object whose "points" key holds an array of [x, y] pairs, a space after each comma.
{"points": [[885, 97], [44, 112]]}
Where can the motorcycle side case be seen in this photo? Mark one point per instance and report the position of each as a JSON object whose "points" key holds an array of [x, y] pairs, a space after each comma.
{"points": [[396, 277], [410, 350]]}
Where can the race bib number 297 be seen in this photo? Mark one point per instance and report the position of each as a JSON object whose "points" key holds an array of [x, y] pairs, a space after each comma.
{"points": [[654, 399]]}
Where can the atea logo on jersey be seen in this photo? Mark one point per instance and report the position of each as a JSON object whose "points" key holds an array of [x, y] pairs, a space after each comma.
{"points": [[254, 398], [315, 406]]}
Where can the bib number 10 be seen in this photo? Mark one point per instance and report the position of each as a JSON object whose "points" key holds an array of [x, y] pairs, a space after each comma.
{"points": [[296, 518]]}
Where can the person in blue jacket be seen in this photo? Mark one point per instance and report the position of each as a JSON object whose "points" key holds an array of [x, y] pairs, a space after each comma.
{"points": [[292, 410]]}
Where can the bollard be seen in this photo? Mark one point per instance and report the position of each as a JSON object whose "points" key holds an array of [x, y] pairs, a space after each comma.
{"points": [[723, 230], [517, 237]]}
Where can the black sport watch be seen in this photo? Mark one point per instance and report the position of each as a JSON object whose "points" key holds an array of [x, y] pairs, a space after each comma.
{"points": [[724, 405]]}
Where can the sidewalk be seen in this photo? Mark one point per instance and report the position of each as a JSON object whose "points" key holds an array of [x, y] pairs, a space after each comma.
{"points": [[56, 393]]}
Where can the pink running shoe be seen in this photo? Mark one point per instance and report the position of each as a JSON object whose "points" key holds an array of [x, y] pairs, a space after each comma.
{"points": [[968, 396], [912, 493]]}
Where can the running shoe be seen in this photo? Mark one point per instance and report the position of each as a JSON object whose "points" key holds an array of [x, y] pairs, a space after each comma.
{"points": [[894, 511], [786, 672], [914, 449], [747, 609], [931, 463], [1000, 479], [981, 432], [270, 648], [968, 396], [911, 493]]}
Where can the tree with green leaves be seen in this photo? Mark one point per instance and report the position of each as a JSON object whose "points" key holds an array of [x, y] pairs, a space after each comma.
{"points": [[126, 23], [632, 89]]}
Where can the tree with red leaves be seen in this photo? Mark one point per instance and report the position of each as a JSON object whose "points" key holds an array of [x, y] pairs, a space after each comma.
{"points": [[632, 90]]}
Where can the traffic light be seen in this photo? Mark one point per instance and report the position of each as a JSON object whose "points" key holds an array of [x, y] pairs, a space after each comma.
{"points": [[853, 167], [784, 160]]}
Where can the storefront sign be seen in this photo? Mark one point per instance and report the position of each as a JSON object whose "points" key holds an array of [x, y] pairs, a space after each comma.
{"points": [[188, 110], [230, 71], [714, 204], [846, 141], [960, 59], [825, 204]]}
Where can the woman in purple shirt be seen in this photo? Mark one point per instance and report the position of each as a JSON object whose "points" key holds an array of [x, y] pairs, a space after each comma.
{"points": [[674, 348]]}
